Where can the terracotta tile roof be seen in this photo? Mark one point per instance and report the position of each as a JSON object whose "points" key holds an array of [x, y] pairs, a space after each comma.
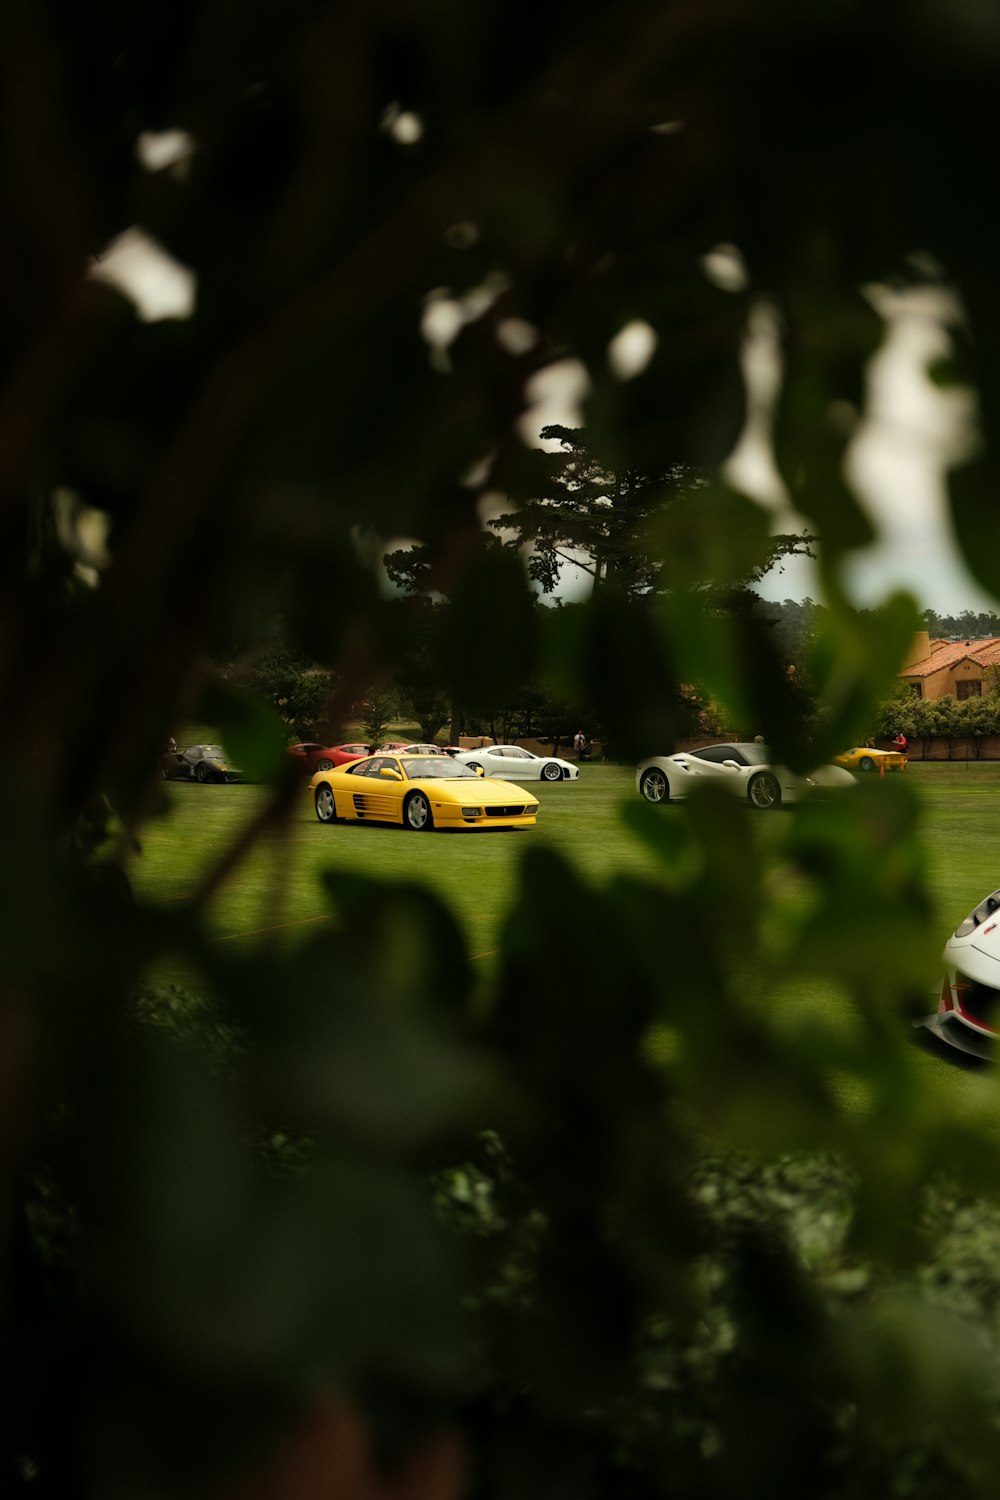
{"points": [[947, 654]]}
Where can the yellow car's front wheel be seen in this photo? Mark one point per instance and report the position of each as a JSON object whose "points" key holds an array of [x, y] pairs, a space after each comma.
{"points": [[326, 807], [417, 813]]}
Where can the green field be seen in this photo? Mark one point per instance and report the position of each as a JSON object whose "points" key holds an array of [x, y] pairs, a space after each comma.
{"points": [[278, 895], [279, 887], [961, 821]]}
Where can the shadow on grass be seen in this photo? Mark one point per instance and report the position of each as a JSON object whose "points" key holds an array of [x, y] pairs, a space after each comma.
{"points": [[953, 1057]]}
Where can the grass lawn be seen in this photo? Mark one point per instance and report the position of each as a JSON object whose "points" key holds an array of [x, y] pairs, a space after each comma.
{"points": [[475, 872], [279, 888], [961, 803], [279, 892]]}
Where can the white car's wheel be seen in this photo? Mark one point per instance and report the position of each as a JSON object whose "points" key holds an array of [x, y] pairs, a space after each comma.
{"points": [[474, 765], [417, 813], [326, 807], [653, 785], [551, 772], [764, 791], [201, 772]]}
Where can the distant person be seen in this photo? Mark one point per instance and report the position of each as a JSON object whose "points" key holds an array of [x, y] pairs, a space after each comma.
{"points": [[168, 760], [579, 744], [899, 743]]}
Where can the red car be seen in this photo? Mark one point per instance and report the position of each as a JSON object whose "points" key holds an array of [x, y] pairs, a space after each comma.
{"points": [[326, 757]]}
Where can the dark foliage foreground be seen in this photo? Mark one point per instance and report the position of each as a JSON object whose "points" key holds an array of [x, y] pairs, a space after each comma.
{"points": [[337, 1219]]}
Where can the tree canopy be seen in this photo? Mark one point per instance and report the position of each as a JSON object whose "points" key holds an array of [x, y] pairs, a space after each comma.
{"points": [[617, 525]]}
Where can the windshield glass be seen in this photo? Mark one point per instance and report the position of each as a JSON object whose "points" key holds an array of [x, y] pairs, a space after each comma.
{"points": [[440, 767], [214, 752]]}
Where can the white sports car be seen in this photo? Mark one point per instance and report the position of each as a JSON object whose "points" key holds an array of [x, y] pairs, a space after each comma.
{"points": [[744, 768], [967, 1015], [512, 763]]}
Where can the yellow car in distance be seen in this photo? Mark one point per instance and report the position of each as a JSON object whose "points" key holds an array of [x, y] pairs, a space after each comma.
{"points": [[863, 758], [421, 792]]}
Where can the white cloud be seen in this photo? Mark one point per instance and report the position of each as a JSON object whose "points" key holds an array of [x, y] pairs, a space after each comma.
{"points": [[911, 433], [516, 335], [445, 315], [403, 125], [904, 441], [165, 150], [631, 349], [158, 286], [725, 268], [554, 395]]}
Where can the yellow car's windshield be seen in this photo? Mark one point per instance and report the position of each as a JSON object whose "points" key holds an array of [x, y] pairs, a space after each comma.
{"points": [[436, 767]]}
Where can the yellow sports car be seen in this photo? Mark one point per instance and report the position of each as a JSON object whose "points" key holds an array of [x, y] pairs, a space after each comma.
{"points": [[421, 792], [862, 758]]}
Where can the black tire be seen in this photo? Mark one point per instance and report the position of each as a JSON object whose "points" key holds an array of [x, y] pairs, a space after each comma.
{"points": [[326, 764], [473, 765], [201, 772], [764, 792], [653, 785], [323, 801], [551, 772], [417, 813], [866, 763]]}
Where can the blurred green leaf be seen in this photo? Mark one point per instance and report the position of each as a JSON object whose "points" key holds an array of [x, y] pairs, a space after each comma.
{"points": [[253, 735]]}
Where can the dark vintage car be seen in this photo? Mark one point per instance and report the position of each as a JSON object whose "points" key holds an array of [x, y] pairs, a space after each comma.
{"points": [[199, 763]]}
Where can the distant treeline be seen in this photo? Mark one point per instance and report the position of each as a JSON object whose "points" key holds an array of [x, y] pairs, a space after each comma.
{"points": [[968, 626], [797, 621]]}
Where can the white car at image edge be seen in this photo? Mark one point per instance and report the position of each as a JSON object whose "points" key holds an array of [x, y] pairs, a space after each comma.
{"points": [[744, 768], [513, 763], [968, 1013]]}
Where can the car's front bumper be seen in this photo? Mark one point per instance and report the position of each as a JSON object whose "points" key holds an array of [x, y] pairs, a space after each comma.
{"points": [[951, 1031], [506, 815], [963, 1016]]}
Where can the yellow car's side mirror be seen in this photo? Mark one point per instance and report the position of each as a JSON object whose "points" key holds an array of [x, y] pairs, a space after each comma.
{"points": [[389, 774], [480, 771]]}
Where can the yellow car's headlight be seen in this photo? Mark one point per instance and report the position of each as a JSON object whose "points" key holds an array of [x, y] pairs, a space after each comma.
{"points": [[472, 812]]}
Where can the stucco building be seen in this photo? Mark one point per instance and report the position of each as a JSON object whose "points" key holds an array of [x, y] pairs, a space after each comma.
{"points": [[935, 668]]}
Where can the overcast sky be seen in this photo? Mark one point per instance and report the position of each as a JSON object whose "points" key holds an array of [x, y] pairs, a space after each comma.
{"points": [[898, 459], [910, 433], [898, 462]]}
